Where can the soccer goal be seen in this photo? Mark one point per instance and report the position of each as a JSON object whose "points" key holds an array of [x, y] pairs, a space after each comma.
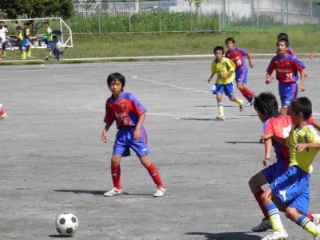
{"points": [[37, 27]]}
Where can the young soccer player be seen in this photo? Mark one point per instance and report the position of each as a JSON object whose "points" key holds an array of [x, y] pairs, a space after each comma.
{"points": [[21, 43], [27, 38], [287, 68], [292, 189], [56, 47], [3, 32], [48, 40], [237, 56], [129, 115], [266, 106], [225, 70]]}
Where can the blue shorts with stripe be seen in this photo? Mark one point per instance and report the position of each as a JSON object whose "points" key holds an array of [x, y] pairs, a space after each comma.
{"points": [[27, 42], [288, 92], [227, 89], [241, 74], [276, 170], [293, 189], [125, 140]]}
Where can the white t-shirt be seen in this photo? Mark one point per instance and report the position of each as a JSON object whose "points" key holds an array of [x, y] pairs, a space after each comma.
{"points": [[3, 32]]}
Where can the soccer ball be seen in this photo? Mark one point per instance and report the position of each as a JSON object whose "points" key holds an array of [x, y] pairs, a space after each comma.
{"points": [[67, 224]]}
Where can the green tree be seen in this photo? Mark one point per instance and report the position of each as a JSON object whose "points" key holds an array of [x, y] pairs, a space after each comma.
{"points": [[37, 8]]}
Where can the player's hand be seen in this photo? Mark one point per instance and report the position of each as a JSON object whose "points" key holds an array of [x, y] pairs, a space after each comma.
{"points": [[266, 162], [104, 136], [251, 65], [269, 79], [136, 135], [301, 89], [265, 137], [300, 147], [209, 79]]}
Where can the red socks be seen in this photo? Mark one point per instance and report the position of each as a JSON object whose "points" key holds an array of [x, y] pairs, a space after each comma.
{"points": [[247, 93], [155, 175], [257, 196], [115, 173]]}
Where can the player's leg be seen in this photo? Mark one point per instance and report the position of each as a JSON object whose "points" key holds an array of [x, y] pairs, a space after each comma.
{"points": [[220, 105], [229, 91], [273, 212], [241, 79], [141, 149], [287, 92]]}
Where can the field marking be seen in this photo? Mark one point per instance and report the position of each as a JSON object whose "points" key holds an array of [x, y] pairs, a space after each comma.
{"points": [[170, 85]]}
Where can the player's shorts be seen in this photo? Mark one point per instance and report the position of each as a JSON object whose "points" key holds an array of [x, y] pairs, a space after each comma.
{"points": [[293, 189], [228, 89], [124, 141], [288, 92], [241, 74], [27, 42], [276, 170]]}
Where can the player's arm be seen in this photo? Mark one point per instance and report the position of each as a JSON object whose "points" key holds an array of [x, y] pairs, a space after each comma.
{"points": [[267, 148], [302, 75], [104, 133], [250, 61], [301, 146], [210, 78], [136, 134], [213, 72], [270, 72], [266, 137]]}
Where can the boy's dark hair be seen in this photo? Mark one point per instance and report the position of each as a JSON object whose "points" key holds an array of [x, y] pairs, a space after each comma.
{"points": [[266, 102], [283, 36], [18, 28], [27, 24], [218, 48], [6, 26], [285, 41], [303, 105], [230, 40], [46, 23], [2, 22], [116, 76]]}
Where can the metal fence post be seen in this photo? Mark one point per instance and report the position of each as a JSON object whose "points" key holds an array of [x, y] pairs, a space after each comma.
{"points": [[191, 16], [318, 15], [252, 18], [287, 25], [129, 13], [159, 12], [99, 12]]}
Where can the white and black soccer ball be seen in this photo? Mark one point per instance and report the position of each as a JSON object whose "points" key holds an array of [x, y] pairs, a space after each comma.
{"points": [[67, 224]]}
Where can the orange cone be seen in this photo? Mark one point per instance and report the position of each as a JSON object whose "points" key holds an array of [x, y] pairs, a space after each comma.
{"points": [[311, 56]]}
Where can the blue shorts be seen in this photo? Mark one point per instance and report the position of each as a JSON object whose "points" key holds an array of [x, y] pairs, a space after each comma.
{"points": [[22, 48], [27, 42], [223, 89], [293, 189], [276, 170], [241, 74], [124, 141], [288, 92]]}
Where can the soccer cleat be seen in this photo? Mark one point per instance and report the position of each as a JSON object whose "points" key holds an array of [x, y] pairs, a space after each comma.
{"points": [[221, 117], [283, 235], [250, 103], [160, 192], [2, 113], [316, 219], [263, 226], [113, 192], [241, 105]]}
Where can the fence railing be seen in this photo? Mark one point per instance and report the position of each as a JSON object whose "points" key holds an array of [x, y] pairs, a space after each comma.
{"points": [[209, 16]]}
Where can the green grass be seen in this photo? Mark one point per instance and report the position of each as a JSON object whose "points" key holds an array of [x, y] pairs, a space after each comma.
{"points": [[130, 45]]}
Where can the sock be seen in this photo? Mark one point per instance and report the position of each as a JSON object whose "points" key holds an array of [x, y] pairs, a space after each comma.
{"points": [[308, 226], [50, 54], [5, 54], [257, 196], [274, 217], [29, 53], [220, 109], [23, 55], [239, 101], [155, 175], [115, 173], [247, 93]]}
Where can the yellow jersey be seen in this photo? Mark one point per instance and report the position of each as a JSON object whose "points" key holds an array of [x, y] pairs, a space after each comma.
{"points": [[221, 68], [303, 159]]}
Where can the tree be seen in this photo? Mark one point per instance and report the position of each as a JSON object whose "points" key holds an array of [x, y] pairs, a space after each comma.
{"points": [[37, 8]]}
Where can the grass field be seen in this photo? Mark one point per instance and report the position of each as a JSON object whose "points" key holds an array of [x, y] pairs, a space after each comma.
{"points": [[171, 44]]}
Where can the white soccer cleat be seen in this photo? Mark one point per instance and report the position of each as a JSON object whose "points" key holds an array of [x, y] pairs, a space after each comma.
{"points": [[160, 192], [250, 103], [263, 226], [283, 235], [113, 192], [221, 117], [316, 219]]}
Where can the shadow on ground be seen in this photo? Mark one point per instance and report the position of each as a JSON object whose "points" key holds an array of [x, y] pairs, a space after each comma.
{"points": [[226, 236], [98, 192]]}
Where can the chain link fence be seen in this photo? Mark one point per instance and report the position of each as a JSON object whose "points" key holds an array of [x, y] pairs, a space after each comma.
{"points": [[208, 16]]}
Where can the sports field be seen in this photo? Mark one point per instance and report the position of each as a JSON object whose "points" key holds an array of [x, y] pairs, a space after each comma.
{"points": [[53, 159]]}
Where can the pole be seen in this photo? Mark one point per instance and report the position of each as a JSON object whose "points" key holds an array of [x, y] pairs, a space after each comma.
{"points": [[318, 15], [191, 16], [99, 12], [252, 16], [287, 27]]}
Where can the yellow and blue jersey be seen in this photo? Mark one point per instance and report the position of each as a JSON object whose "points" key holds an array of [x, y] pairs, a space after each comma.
{"points": [[303, 159], [221, 68]]}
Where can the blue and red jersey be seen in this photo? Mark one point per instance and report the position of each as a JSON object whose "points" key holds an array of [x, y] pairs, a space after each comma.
{"points": [[280, 127], [126, 110], [237, 55], [287, 68]]}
